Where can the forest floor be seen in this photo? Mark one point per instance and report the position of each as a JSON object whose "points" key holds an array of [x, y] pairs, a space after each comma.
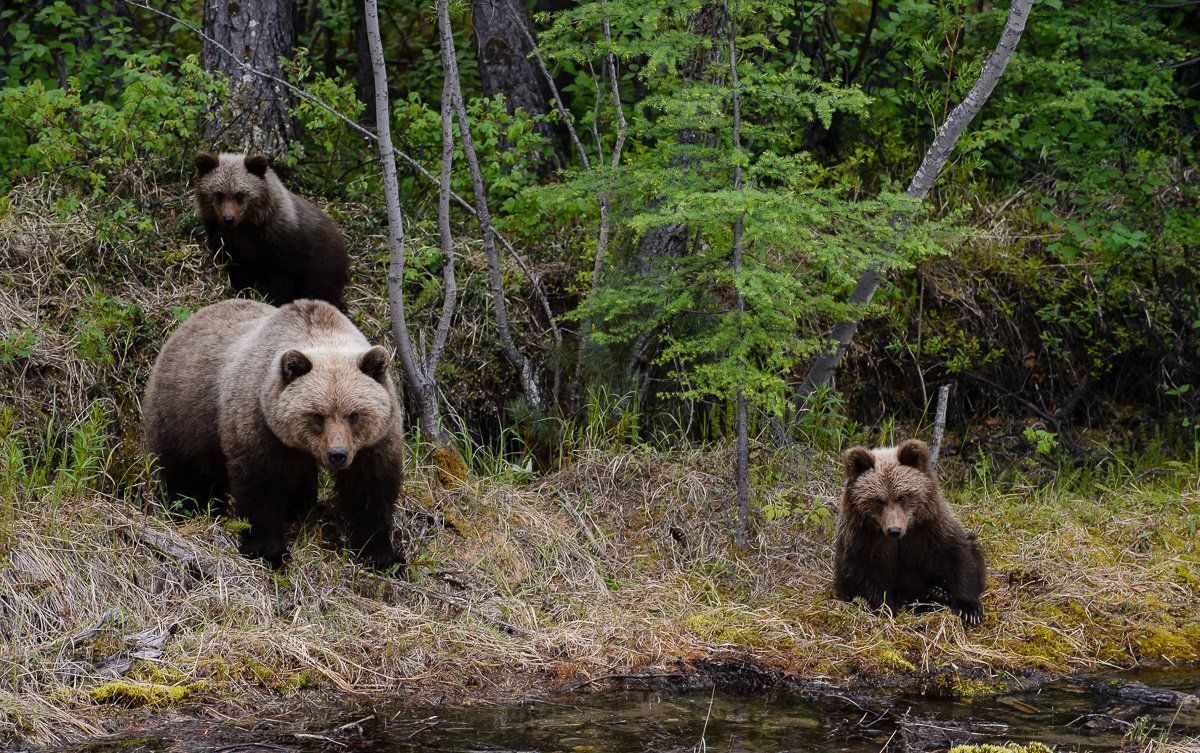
{"points": [[616, 566]]}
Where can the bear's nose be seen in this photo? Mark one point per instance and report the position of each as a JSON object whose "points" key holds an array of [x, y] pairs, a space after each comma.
{"points": [[337, 457], [228, 219], [894, 532]]}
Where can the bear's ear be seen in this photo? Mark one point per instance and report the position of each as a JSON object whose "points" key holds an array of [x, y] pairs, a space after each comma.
{"points": [[915, 454], [206, 162], [256, 164], [856, 461], [374, 363], [293, 365]]}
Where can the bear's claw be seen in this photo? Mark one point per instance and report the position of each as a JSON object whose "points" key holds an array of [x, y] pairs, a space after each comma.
{"points": [[971, 614]]}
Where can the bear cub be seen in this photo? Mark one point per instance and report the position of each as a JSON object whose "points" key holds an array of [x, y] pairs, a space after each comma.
{"points": [[268, 238], [252, 400], [897, 541]]}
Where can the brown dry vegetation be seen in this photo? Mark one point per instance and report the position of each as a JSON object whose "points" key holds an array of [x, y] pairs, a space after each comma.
{"points": [[618, 563]]}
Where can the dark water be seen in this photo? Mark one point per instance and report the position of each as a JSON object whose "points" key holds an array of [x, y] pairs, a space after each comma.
{"points": [[1067, 714], [1057, 714]]}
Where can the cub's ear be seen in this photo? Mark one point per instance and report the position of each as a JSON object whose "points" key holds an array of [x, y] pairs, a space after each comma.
{"points": [[293, 365], [374, 363], [915, 454], [256, 164], [206, 162], [856, 461]]}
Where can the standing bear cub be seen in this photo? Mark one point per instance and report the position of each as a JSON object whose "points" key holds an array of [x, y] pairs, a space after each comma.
{"points": [[897, 541], [268, 238], [254, 400]]}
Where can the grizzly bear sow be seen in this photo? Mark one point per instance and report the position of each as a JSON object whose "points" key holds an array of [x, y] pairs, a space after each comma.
{"points": [[269, 238], [897, 541], [254, 400]]}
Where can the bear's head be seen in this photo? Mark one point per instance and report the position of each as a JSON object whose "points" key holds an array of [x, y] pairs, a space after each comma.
{"points": [[231, 189], [330, 402], [890, 490]]}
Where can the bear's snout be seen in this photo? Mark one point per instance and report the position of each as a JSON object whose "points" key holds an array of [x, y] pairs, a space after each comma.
{"points": [[895, 532], [229, 219], [339, 458]]}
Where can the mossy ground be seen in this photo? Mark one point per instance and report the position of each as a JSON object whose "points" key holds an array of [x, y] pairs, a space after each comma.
{"points": [[618, 562]]}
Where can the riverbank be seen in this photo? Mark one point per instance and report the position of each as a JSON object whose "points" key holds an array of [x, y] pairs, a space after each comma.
{"points": [[618, 566]]}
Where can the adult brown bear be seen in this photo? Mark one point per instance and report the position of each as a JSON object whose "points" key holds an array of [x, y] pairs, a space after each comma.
{"points": [[254, 400], [269, 238], [897, 541]]}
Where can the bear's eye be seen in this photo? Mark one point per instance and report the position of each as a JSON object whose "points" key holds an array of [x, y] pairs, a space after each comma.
{"points": [[240, 196], [879, 503], [219, 196], [317, 418], [902, 499], [353, 417]]}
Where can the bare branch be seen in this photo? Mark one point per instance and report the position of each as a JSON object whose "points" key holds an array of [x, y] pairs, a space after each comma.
{"points": [[526, 371], [742, 459]]}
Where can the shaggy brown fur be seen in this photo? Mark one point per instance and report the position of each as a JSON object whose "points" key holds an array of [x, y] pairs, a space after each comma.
{"points": [[269, 238], [897, 540], [254, 400]]}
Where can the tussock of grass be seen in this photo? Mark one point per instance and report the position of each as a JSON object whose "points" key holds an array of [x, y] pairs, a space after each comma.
{"points": [[618, 563]]}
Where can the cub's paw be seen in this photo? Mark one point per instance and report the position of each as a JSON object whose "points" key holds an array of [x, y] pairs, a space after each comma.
{"points": [[970, 612]]}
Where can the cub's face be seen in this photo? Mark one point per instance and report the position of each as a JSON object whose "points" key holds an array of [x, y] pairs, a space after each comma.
{"points": [[230, 188], [332, 404], [889, 494]]}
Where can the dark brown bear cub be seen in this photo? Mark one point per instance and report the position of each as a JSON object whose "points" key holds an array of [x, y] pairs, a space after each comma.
{"points": [[253, 400], [268, 238], [897, 540]]}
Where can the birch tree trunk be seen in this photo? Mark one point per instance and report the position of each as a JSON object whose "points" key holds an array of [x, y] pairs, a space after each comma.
{"points": [[822, 370], [419, 375], [257, 114]]}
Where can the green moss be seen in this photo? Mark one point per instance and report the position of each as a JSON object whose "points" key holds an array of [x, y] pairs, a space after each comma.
{"points": [[132, 693], [1169, 643]]}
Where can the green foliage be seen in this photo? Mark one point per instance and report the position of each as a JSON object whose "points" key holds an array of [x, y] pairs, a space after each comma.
{"points": [[803, 238], [88, 98]]}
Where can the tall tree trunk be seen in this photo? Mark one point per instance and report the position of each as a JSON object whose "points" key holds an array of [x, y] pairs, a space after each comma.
{"points": [[823, 367], [257, 114], [503, 44]]}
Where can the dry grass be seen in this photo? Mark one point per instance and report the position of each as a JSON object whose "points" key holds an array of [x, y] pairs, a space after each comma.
{"points": [[619, 563]]}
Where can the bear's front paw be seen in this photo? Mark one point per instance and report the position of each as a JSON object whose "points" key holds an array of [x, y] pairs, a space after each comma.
{"points": [[381, 558], [971, 612]]}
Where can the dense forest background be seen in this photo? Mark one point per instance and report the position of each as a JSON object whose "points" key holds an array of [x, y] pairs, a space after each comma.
{"points": [[1051, 274]]}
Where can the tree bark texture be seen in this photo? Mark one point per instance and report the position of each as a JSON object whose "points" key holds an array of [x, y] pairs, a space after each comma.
{"points": [[503, 44], [257, 113], [822, 370]]}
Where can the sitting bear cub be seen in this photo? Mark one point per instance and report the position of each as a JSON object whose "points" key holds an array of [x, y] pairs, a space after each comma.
{"points": [[253, 400], [897, 541]]}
